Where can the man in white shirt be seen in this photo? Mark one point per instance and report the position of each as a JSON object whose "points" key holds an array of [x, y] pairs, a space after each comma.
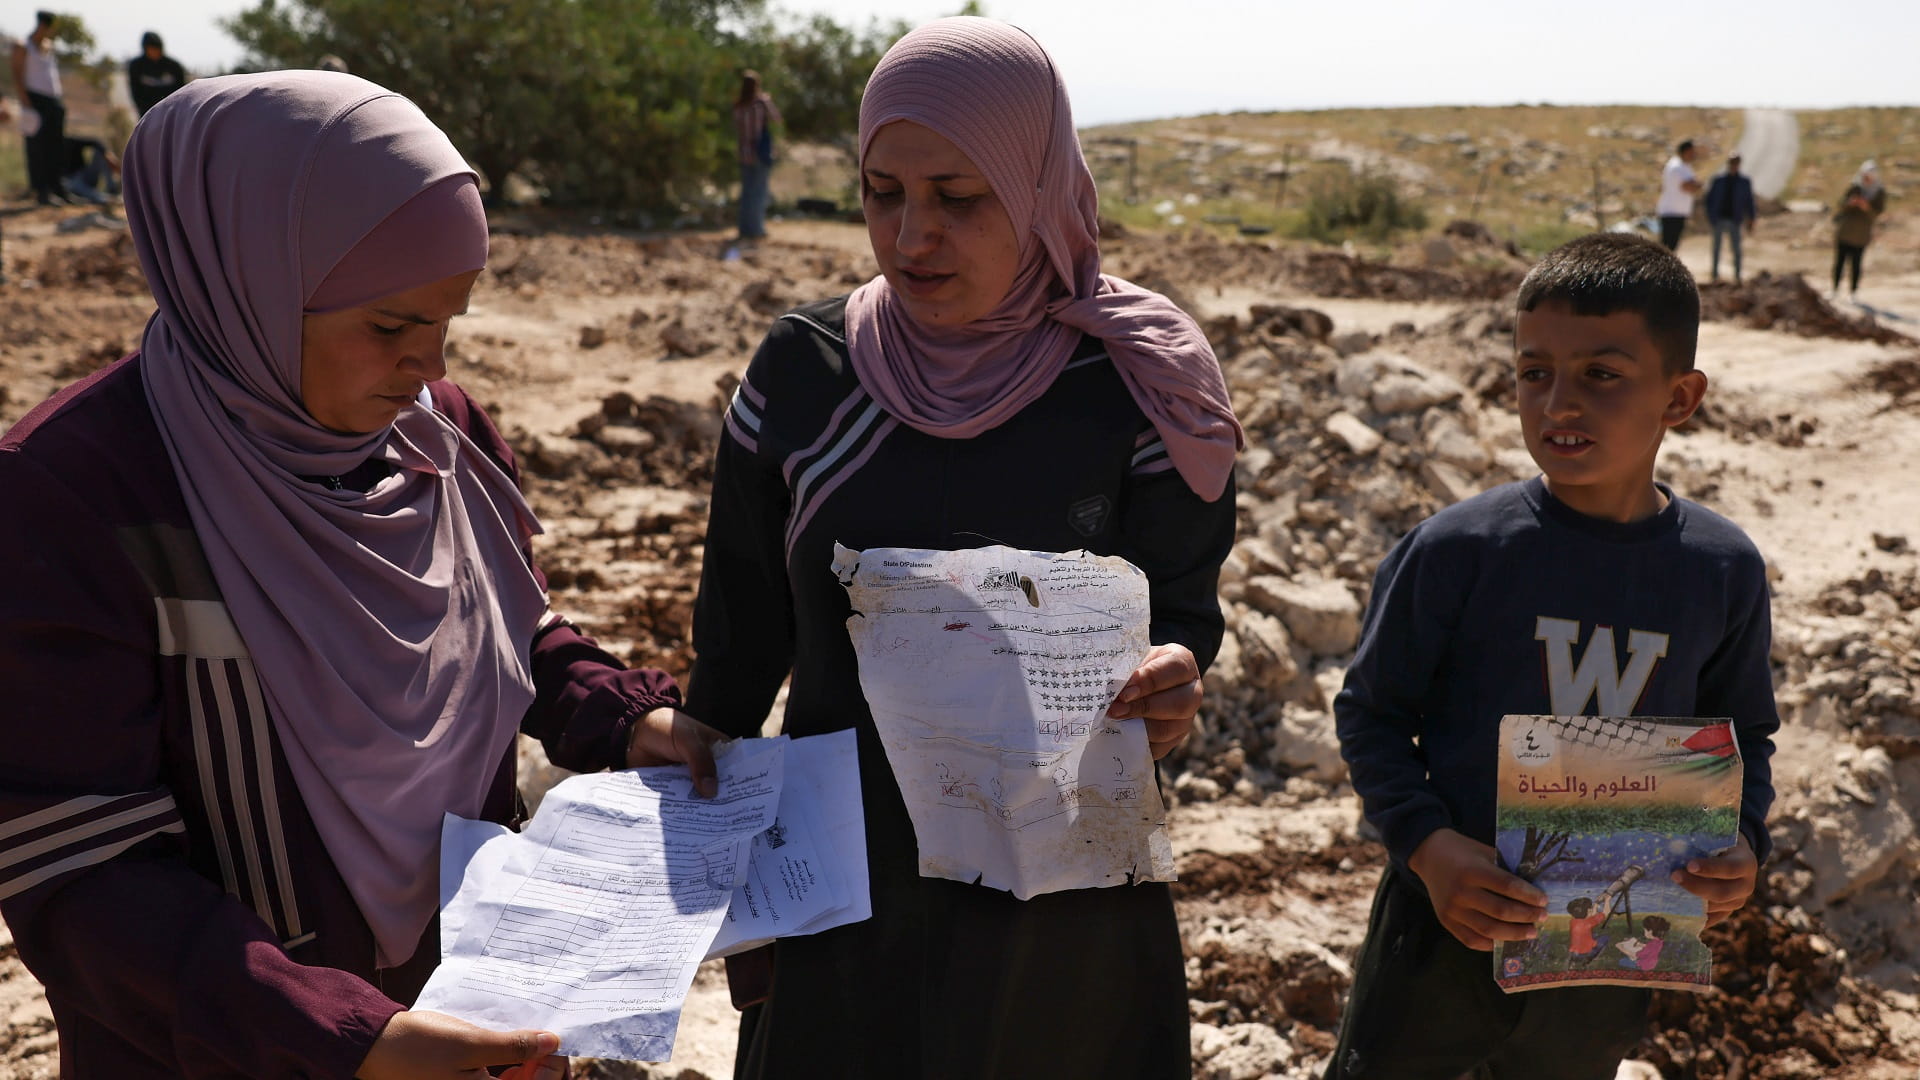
{"points": [[36, 75], [1678, 186]]}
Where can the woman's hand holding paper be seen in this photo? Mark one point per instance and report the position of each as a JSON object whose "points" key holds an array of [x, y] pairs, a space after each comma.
{"points": [[1166, 690]]}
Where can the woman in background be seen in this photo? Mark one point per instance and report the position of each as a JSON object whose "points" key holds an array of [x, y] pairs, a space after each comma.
{"points": [[1863, 202], [754, 115]]}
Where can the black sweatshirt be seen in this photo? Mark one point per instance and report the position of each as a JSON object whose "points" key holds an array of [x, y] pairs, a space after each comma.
{"points": [[1491, 606]]}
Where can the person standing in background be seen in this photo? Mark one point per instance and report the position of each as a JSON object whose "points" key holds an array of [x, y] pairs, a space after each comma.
{"points": [[754, 115], [1678, 186], [1730, 208], [1865, 199], [36, 75], [153, 74]]}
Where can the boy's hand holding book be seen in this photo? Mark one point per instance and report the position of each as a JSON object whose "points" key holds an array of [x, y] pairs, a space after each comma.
{"points": [[1475, 899], [1724, 881]]}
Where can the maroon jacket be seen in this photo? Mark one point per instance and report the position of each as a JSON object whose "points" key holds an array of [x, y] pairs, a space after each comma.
{"points": [[158, 869]]}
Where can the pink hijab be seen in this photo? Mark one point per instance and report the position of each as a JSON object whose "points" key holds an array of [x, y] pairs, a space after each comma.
{"points": [[991, 90], [390, 629]]}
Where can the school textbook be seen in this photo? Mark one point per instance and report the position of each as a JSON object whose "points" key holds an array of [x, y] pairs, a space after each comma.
{"points": [[1598, 812]]}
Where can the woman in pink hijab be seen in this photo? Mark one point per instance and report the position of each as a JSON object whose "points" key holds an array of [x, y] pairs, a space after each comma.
{"points": [[991, 386], [274, 613]]}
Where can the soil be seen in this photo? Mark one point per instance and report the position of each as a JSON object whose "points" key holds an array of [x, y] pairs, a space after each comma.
{"points": [[608, 357]]}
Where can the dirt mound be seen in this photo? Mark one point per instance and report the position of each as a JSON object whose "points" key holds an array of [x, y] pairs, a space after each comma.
{"points": [[1783, 1007], [1898, 378], [108, 265], [1196, 262], [1205, 875], [1786, 302]]}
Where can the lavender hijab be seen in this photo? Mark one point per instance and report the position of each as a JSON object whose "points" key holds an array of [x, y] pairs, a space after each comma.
{"points": [[389, 629], [991, 90]]}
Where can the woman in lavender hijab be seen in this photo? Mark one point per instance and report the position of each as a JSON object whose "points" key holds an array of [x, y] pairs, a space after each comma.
{"points": [[274, 613], [990, 386]]}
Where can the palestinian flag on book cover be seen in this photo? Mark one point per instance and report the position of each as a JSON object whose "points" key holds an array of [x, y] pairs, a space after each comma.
{"points": [[1598, 812]]}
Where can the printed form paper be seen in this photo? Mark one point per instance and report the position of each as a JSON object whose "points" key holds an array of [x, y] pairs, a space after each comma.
{"points": [[808, 871], [989, 672], [592, 922]]}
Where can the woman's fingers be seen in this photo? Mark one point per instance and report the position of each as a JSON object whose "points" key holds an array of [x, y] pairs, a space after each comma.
{"points": [[668, 736], [1165, 686], [1164, 735]]}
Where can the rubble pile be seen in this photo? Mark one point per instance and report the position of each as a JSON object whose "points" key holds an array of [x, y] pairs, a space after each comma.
{"points": [[627, 489], [1345, 455], [1786, 302], [1783, 1008], [1197, 260]]}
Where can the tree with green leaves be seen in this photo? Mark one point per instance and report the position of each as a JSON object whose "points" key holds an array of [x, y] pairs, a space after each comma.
{"points": [[606, 102]]}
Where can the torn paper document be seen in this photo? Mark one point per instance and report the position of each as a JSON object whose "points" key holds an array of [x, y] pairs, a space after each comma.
{"points": [[808, 871], [989, 673], [593, 923]]}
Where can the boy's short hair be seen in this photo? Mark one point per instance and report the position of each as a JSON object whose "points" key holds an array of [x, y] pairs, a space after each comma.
{"points": [[1579, 907], [1604, 273], [44, 18], [1685, 145]]}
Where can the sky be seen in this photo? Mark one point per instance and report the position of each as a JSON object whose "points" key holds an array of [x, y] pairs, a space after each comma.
{"points": [[1146, 59]]}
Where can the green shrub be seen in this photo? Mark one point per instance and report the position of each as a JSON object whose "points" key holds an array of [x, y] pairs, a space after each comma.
{"points": [[1365, 206], [1542, 237]]}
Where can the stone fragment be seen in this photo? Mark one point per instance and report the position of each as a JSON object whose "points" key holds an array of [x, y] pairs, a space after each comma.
{"points": [[1391, 383], [554, 455], [1238, 1052], [1302, 322], [1321, 615], [592, 337], [626, 441], [1451, 442], [1266, 650], [1858, 840], [680, 341], [1261, 557], [1446, 481], [1353, 432], [1352, 342], [1304, 743], [1402, 392]]}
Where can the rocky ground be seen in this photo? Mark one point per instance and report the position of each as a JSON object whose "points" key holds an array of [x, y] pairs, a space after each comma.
{"points": [[1373, 393]]}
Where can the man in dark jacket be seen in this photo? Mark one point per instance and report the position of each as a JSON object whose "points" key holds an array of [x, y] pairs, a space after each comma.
{"points": [[1729, 209], [153, 74]]}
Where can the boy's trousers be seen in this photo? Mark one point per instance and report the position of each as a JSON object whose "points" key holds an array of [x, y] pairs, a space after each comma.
{"points": [[1425, 1007]]}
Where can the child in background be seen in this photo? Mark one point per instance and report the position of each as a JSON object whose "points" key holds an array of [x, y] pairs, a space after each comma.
{"points": [[1497, 605]]}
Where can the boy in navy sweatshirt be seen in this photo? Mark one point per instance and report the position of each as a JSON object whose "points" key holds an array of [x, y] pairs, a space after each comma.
{"points": [[1588, 590]]}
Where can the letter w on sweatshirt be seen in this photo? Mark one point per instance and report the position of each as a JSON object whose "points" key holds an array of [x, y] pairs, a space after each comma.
{"points": [[1598, 673]]}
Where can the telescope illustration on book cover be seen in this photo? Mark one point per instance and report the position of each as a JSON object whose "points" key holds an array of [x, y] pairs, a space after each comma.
{"points": [[1598, 812]]}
